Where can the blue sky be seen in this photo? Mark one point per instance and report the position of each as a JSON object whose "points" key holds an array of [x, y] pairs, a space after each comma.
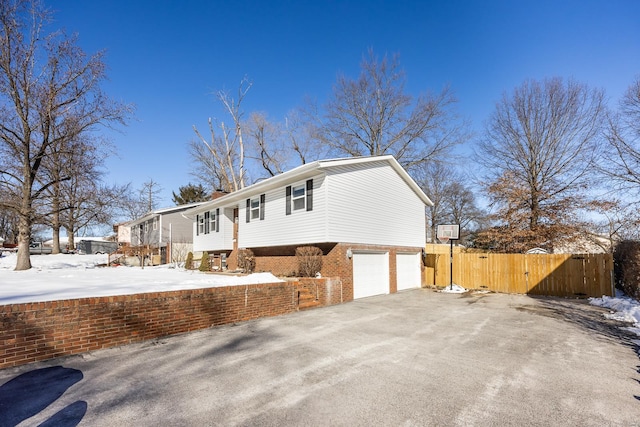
{"points": [[170, 57]]}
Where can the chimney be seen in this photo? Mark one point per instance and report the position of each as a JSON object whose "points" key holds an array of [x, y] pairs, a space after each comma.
{"points": [[217, 194]]}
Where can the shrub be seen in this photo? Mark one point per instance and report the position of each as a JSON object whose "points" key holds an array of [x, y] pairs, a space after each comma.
{"points": [[626, 267], [204, 262], [246, 260], [188, 263], [309, 260]]}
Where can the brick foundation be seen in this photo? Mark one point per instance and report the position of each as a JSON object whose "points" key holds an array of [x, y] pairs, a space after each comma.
{"points": [[281, 261]]}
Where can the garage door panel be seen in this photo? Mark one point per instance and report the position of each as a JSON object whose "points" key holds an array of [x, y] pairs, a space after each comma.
{"points": [[408, 274], [370, 274]]}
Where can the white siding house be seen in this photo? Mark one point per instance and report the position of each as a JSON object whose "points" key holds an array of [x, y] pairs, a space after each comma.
{"points": [[369, 204]]}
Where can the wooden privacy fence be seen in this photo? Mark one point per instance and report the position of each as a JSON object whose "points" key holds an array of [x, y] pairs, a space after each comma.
{"points": [[564, 275]]}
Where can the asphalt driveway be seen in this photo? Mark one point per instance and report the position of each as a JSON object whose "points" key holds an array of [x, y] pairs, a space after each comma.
{"points": [[416, 358]]}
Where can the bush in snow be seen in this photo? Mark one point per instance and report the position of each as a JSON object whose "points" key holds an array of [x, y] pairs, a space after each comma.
{"points": [[246, 260], [309, 260], [204, 262], [188, 264], [626, 267]]}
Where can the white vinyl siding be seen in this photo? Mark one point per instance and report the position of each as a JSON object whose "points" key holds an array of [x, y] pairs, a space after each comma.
{"points": [[278, 228], [372, 204], [360, 202], [221, 240]]}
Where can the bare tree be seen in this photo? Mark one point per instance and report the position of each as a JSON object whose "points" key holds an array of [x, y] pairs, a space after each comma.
{"points": [[373, 116], [463, 210], [540, 149], [79, 162], [617, 221], [49, 92], [299, 134], [453, 200], [221, 158], [9, 226], [435, 180], [89, 204], [150, 194], [268, 144], [622, 158], [136, 202]]}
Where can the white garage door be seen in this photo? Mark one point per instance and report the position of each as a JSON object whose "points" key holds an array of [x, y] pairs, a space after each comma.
{"points": [[408, 270], [370, 274]]}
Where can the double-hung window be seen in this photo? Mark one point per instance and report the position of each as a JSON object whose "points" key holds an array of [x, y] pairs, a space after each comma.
{"points": [[299, 197], [255, 208], [213, 221], [200, 224]]}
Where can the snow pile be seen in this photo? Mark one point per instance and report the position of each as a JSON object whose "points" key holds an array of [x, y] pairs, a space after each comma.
{"points": [[65, 276], [454, 289], [623, 308]]}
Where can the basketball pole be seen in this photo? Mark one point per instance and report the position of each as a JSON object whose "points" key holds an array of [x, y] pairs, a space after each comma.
{"points": [[451, 264]]}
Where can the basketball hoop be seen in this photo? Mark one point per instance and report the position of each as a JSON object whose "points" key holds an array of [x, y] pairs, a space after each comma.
{"points": [[448, 232]]}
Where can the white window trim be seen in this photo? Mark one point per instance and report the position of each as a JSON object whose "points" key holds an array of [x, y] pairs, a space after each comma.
{"points": [[254, 210], [200, 224], [212, 221], [302, 197]]}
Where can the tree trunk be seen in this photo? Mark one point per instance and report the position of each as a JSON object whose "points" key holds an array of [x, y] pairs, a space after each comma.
{"points": [[56, 239], [24, 235], [71, 239]]}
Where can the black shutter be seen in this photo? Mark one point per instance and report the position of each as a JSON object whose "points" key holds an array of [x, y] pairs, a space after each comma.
{"points": [[310, 195], [217, 220], [288, 210], [262, 200], [248, 210], [197, 225]]}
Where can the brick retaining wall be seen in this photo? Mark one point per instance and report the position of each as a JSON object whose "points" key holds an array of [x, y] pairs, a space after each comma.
{"points": [[39, 331]]}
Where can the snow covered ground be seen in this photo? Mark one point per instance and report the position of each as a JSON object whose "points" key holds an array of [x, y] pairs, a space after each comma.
{"points": [[58, 277], [622, 308]]}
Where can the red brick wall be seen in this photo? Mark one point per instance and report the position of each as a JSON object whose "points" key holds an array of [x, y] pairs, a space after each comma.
{"points": [[279, 265], [40, 331], [328, 290], [335, 263]]}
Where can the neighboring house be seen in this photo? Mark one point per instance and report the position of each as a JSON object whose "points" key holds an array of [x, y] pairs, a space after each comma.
{"points": [[123, 233], [165, 232], [366, 214]]}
